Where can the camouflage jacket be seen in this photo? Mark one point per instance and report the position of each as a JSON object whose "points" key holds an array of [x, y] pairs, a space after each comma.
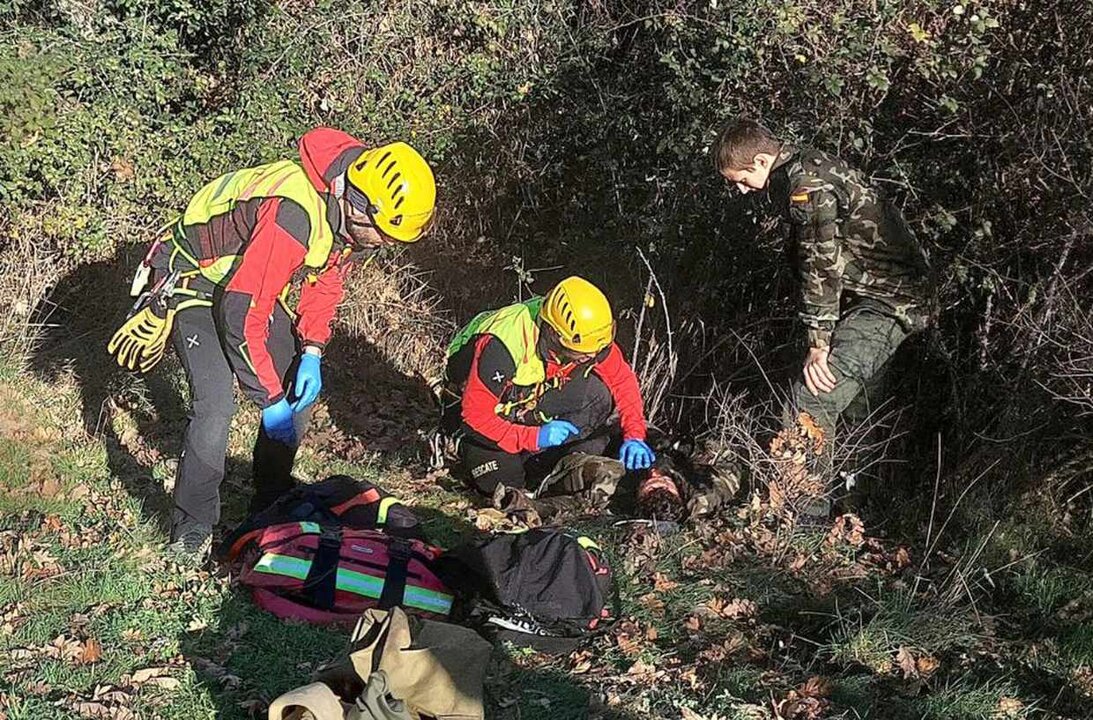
{"points": [[852, 244]]}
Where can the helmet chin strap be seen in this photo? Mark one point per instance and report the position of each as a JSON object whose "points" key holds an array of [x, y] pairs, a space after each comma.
{"points": [[550, 345]]}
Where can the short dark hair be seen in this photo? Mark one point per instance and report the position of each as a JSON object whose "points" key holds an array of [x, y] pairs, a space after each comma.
{"points": [[740, 142]]}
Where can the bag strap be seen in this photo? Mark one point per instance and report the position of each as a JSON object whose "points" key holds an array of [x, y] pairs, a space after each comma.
{"points": [[366, 497], [394, 584], [322, 578]]}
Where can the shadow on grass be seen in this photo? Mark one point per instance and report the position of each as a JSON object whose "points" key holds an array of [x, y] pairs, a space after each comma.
{"points": [[141, 417], [375, 407], [79, 317]]}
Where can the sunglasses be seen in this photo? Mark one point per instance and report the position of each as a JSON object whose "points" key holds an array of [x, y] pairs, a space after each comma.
{"points": [[363, 206]]}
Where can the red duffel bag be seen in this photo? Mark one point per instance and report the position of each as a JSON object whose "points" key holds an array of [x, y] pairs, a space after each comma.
{"points": [[324, 573]]}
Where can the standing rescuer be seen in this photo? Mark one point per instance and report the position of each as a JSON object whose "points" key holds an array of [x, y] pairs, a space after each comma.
{"points": [[218, 287], [865, 282], [541, 379]]}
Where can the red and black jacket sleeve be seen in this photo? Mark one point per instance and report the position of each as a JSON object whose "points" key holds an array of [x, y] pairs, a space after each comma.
{"points": [[620, 379], [319, 300], [492, 370], [276, 250]]}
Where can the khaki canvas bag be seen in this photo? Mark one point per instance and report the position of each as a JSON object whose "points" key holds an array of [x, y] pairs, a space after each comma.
{"points": [[435, 669]]}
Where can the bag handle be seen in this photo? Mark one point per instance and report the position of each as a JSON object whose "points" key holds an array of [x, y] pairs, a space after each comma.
{"points": [[399, 553], [322, 578], [316, 698]]}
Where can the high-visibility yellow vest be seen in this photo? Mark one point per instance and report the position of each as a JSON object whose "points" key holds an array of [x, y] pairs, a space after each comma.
{"points": [[516, 327], [284, 179]]}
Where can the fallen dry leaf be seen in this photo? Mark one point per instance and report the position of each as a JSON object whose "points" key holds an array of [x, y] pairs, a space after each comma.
{"points": [[690, 677], [628, 645], [581, 662], [729, 647], [91, 652], [661, 582], [106, 702], [37, 687], [927, 665], [1009, 707], [798, 563], [123, 169], [815, 686], [812, 431], [642, 670], [196, 625], [63, 647], [254, 707], [652, 603], [95, 710], [156, 676], [217, 672], [739, 608], [847, 529], [915, 664], [132, 635], [48, 488], [905, 660]]}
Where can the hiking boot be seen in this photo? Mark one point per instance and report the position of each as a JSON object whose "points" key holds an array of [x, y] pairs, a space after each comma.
{"points": [[192, 544]]}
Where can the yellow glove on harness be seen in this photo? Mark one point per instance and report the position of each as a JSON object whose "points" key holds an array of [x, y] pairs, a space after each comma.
{"points": [[140, 342]]}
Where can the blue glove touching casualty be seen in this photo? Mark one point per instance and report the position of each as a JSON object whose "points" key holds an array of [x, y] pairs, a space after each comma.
{"points": [[636, 455]]}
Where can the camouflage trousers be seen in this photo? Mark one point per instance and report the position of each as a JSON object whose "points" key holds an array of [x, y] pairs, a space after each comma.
{"points": [[862, 347]]}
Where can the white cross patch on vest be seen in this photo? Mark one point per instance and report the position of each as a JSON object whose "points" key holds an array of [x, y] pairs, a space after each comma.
{"points": [[498, 377]]}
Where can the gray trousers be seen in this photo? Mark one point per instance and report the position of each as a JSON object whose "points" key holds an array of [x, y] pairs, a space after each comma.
{"points": [[212, 405], [862, 347]]}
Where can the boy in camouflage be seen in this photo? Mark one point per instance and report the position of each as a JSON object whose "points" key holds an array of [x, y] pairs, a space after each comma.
{"points": [[864, 278]]}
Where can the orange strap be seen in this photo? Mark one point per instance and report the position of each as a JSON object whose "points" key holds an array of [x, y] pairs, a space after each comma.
{"points": [[367, 497]]}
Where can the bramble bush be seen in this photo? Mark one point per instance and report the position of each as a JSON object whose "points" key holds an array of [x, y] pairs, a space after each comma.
{"points": [[569, 134]]}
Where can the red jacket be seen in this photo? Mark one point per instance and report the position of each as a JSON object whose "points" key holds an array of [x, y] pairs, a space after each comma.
{"points": [[489, 378], [271, 235]]}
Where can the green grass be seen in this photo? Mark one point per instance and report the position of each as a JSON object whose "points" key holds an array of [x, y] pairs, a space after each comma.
{"points": [[226, 654], [871, 634], [1049, 588], [966, 699], [1076, 646]]}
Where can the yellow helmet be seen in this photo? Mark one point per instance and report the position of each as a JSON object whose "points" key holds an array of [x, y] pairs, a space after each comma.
{"points": [[398, 187], [580, 314]]}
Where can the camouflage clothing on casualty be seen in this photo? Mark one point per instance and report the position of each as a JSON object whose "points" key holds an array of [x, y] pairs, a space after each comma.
{"points": [[852, 245]]}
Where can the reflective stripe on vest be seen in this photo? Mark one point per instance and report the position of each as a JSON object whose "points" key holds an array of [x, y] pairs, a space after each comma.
{"points": [[284, 179], [516, 327]]}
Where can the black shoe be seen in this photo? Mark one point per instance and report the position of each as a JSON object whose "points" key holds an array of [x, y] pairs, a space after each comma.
{"points": [[192, 544]]}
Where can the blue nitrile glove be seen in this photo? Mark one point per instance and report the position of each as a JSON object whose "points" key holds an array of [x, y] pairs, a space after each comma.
{"points": [[277, 421], [636, 455], [309, 381], [556, 432]]}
